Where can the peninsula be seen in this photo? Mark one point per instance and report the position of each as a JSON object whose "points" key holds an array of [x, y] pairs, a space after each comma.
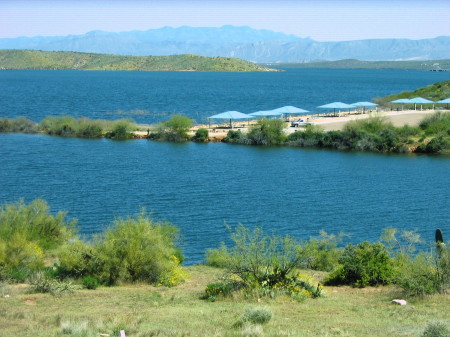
{"points": [[32, 59]]}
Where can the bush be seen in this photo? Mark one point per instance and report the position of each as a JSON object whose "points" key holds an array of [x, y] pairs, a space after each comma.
{"points": [[220, 289], [237, 137], [322, 253], [63, 126], [90, 282], [121, 130], [436, 329], [437, 123], [201, 135], [41, 284], [267, 132], [218, 257], [26, 232], [174, 130], [362, 265], [138, 249], [262, 265]]}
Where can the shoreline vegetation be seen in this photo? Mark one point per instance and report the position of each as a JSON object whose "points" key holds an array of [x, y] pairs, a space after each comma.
{"points": [[414, 131], [130, 278], [40, 60]]}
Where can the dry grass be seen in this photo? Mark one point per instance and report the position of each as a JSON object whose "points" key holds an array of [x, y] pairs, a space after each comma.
{"points": [[143, 310]]}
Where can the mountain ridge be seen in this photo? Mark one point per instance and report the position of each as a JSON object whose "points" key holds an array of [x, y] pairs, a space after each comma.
{"points": [[235, 41]]}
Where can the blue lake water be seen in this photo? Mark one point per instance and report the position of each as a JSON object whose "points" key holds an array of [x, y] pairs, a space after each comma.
{"points": [[198, 187], [149, 97]]}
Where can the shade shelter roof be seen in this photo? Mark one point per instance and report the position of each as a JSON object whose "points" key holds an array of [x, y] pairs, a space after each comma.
{"points": [[364, 104], [289, 109], [336, 105], [265, 113], [420, 100], [447, 100], [231, 115], [402, 101]]}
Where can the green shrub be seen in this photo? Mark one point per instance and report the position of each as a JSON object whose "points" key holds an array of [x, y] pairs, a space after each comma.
{"points": [[76, 259], [436, 329], [438, 144], [173, 130], [5, 125], [26, 232], [138, 249], [89, 129], [121, 130], [220, 289], [63, 126], [201, 135], [90, 282], [437, 123], [322, 253], [19, 124], [237, 137], [362, 265], [267, 132], [218, 257]]}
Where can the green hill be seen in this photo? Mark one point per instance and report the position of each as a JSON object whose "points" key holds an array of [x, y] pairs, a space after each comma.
{"points": [[435, 92], [31, 59], [435, 65]]}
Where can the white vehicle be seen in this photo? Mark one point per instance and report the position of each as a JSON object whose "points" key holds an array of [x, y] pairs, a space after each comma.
{"points": [[300, 122]]}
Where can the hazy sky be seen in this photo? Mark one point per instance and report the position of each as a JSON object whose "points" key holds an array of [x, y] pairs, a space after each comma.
{"points": [[322, 20]]}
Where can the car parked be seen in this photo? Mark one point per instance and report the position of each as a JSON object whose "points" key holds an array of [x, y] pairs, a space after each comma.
{"points": [[300, 122]]}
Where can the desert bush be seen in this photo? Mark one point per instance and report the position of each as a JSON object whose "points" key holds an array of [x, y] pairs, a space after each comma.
{"points": [[362, 265], [41, 284], [218, 257], [436, 329], [5, 125], [26, 232], [322, 253], [138, 249], [437, 123], [63, 126], [438, 144], [237, 137], [87, 128], [263, 265], [173, 130], [267, 132], [121, 130], [220, 289], [76, 259], [201, 135]]}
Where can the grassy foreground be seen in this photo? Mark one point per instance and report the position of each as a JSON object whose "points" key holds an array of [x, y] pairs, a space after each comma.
{"points": [[143, 310]]}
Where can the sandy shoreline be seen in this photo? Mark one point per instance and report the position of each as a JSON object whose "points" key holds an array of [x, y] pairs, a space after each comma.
{"points": [[398, 118]]}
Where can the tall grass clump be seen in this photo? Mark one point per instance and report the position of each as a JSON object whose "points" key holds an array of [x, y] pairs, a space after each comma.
{"points": [[437, 123], [436, 329], [27, 231]]}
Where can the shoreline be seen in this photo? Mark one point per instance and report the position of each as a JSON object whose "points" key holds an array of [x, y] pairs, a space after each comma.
{"points": [[217, 132]]}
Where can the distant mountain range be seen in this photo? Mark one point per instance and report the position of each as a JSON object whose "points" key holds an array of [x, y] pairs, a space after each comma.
{"points": [[231, 41]]}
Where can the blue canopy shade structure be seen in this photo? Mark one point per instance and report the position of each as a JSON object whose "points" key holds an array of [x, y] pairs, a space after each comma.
{"points": [[364, 105], [336, 105], [419, 100], [269, 113], [402, 101], [231, 115], [288, 109], [447, 100]]}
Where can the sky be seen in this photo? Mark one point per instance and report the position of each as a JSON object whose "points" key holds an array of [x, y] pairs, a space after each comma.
{"points": [[321, 20]]}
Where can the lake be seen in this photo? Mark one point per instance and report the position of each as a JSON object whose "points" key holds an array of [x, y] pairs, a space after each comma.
{"points": [[200, 187]]}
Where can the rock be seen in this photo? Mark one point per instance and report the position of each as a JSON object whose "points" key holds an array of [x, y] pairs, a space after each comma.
{"points": [[399, 302]]}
